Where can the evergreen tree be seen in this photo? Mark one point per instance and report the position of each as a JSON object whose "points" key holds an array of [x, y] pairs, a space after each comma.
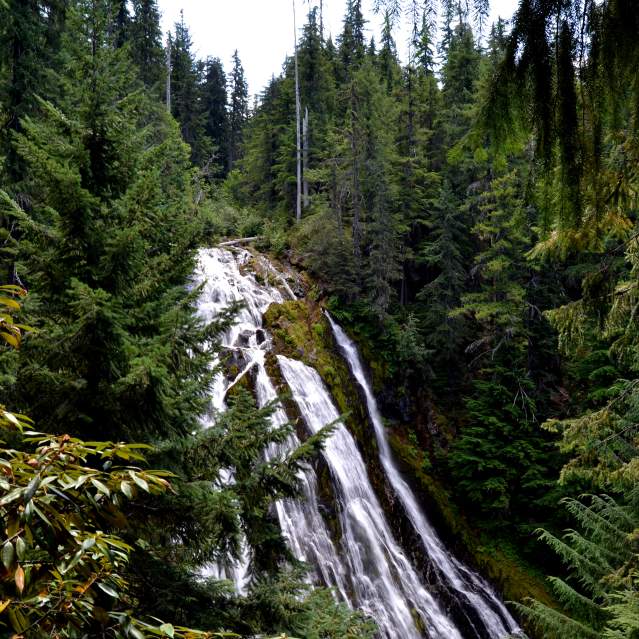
{"points": [[120, 23], [214, 105], [443, 252], [388, 63], [185, 92], [99, 202], [352, 43], [238, 110], [146, 42], [599, 598], [459, 77], [29, 42]]}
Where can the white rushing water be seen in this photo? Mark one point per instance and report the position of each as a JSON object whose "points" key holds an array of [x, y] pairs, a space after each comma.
{"points": [[302, 524], [366, 568], [385, 583], [494, 616]]}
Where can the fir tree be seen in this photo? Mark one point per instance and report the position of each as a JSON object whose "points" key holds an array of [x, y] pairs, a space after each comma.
{"points": [[351, 43], [388, 63], [238, 110], [214, 105], [146, 42], [185, 91]]}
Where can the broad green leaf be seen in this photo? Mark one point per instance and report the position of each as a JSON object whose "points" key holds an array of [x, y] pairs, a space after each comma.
{"points": [[21, 547], [139, 481], [31, 489], [7, 301], [125, 487], [101, 487], [10, 339]]}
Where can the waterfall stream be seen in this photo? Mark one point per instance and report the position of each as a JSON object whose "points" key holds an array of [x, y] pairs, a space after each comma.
{"points": [[492, 613], [366, 567], [220, 272]]}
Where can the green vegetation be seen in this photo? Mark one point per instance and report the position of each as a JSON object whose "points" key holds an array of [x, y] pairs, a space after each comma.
{"points": [[469, 213], [101, 212]]}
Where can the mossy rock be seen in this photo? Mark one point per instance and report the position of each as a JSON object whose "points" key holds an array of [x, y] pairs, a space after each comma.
{"points": [[301, 331]]}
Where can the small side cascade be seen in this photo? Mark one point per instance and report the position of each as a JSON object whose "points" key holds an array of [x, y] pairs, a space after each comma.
{"points": [[491, 612]]}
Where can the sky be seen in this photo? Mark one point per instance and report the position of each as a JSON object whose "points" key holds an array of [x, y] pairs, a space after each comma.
{"points": [[262, 30]]}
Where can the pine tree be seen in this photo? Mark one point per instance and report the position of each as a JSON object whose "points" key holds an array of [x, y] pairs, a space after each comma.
{"points": [[238, 110], [214, 106], [146, 43]]}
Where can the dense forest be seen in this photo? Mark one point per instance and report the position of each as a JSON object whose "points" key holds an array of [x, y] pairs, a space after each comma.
{"points": [[468, 213]]}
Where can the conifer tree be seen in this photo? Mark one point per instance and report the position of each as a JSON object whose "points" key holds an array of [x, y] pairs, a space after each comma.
{"points": [[185, 91], [29, 40], [99, 202], [443, 251], [388, 62], [238, 110], [120, 23], [459, 77], [214, 106], [146, 42], [351, 43]]}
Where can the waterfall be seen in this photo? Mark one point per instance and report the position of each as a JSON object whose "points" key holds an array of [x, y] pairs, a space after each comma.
{"points": [[366, 568], [220, 273], [385, 583], [467, 585]]}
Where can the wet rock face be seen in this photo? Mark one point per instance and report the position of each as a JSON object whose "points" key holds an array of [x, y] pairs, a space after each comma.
{"points": [[243, 338]]}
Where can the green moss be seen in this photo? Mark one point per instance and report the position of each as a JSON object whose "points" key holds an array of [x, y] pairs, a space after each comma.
{"points": [[301, 331]]}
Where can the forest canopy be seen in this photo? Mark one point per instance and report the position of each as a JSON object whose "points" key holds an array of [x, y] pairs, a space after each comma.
{"points": [[468, 212]]}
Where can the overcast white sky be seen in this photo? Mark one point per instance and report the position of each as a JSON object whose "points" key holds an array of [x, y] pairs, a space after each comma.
{"points": [[262, 30]]}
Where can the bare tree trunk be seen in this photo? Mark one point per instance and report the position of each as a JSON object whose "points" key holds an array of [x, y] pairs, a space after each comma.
{"points": [[298, 206], [305, 158]]}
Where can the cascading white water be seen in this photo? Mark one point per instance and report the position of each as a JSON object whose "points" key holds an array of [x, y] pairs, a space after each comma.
{"points": [[384, 582], [367, 569], [466, 584], [302, 524], [300, 520]]}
